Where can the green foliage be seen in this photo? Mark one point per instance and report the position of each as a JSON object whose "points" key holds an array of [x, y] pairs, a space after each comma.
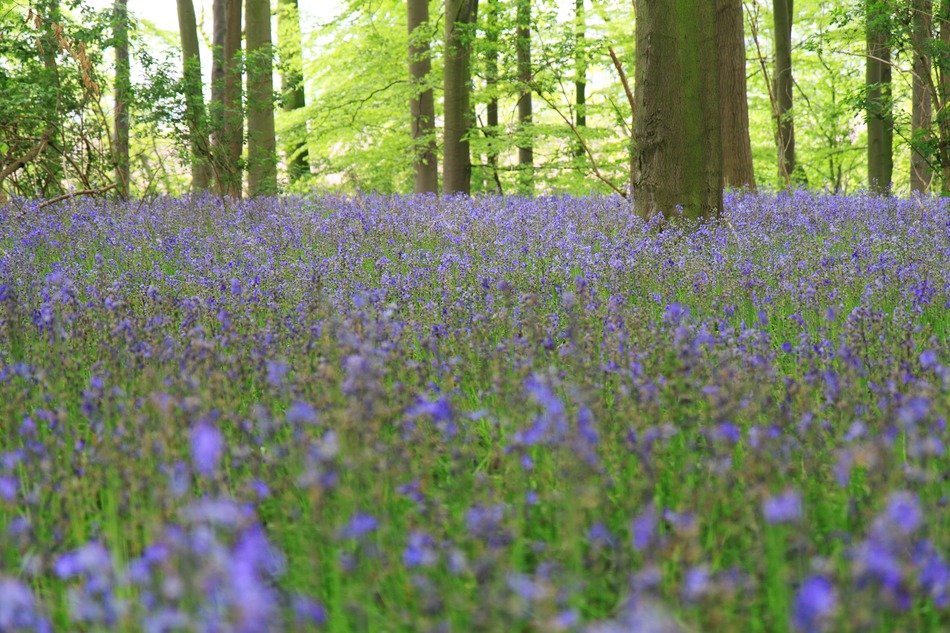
{"points": [[356, 128], [50, 82]]}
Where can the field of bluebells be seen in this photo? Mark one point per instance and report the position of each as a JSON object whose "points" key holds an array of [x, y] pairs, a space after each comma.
{"points": [[412, 414]]}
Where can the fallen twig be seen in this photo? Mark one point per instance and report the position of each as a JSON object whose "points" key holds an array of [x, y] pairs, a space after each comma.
{"points": [[73, 194]]}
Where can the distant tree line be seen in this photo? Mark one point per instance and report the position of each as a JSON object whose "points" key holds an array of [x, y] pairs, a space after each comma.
{"points": [[668, 99]]}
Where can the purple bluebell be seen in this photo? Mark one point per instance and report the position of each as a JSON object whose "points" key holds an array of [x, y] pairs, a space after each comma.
{"points": [[207, 447], [359, 525], [19, 610], [643, 529], [785, 507], [815, 603]]}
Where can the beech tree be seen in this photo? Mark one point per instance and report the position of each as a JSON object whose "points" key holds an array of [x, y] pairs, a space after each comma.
{"points": [[292, 84], [194, 97], [921, 172], [261, 137], [227, 114], [457, 77], [421, 104], [879, 104], [736, 147], [52, 150], [123, 90], [525, 105], [491, 129], [782, 12], [943, 93], [580, 71], [676, 113]]}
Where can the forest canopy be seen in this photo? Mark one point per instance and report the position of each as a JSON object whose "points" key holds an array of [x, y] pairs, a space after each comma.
{"points": [[516, 96]]}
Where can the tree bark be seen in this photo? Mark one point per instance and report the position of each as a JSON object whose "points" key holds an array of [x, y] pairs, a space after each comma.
{"points": [[943, 105], [219, 30], [921, 174], [580, 72], [261, 137], [194, 96], [52, 159], [525, 105], [457, 162], [676, 117], [879, 109], [491, 86], [736, 146], [232, 113], [782, 11], [292, 86], [425, 168], [123, 89]]}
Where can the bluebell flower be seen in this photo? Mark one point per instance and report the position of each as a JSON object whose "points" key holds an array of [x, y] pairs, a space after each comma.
{"points": [[913, 411], [643, 528], [419, 551], [207, 446], [8, 488], [359, 525], [928, 359], [785, 507], [19, 611], [903, 512], [301, 413], [308, 611], [276, 371], [815, 604], [696, 582]]}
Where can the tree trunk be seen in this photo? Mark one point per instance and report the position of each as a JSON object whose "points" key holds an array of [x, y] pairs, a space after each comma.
{"points": [[457, 167], [232, 113], [292, 86], [736, 146], [123, 89], [216, 105], [491, 87], [677, 118], [52, 158], [194, 96], [921, 173], [261, 138], [943, 106], [425, 166], [782, 11], [580, 72], [525, 106], [879, 109]]}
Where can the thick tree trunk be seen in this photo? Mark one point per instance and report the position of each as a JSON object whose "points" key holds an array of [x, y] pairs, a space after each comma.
{"points": [[782, 11], [943, 106], [219, 30], [425, 166], [879, 114], [525, 106], [921, 173], [677, 118], [261, 137], [194, 96], [52, 158], [580, 72], [491, 86], [457, 166], [232, 112], [292, 86], [736, 146], [123, 89]]}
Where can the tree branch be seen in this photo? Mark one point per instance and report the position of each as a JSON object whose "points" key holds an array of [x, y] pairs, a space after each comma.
{"points": [[73, 194]]}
